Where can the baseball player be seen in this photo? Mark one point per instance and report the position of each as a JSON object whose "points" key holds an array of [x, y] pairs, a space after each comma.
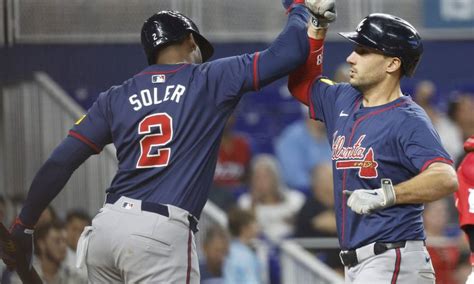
{"points": [[387, 157], [166, 124], [464, 198]]}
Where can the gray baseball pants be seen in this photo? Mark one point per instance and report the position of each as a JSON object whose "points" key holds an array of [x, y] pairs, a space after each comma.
{"points": [[128, 245], [410, 264]]}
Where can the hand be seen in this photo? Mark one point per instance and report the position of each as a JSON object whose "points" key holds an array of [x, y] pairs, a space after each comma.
{"points": [[22, 245], [365, 201], [324, 10], [290, 4], [470, 278]]}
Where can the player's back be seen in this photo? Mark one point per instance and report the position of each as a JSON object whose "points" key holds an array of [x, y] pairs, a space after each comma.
{"points": [[166, 127]]}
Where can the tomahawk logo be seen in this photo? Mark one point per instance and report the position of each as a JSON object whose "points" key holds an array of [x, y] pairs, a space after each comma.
{"points": [[354, 157]]}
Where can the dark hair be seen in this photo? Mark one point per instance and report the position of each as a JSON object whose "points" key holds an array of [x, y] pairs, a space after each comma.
{"points": [[42, 231], [78, 214], [215, 232], [238, 219]]}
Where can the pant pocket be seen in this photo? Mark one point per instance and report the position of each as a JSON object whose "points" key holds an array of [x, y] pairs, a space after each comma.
{"points": [[82, 245]]}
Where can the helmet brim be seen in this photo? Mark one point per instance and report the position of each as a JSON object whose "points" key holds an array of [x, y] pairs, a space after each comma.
{"points": [[207, 50], [359, 39]]}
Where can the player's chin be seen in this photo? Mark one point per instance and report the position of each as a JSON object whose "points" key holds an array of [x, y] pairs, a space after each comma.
{"points": [[354, 82]]}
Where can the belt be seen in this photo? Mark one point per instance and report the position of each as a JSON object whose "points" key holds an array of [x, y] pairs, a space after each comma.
{"points": [[157, 208], [353, 257]]}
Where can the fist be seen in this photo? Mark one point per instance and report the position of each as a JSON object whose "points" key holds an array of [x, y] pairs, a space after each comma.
{"points": [[324, 10]]}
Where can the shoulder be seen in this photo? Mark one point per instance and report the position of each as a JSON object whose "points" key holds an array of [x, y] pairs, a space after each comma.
{"points": [[340, 88], [411, 112]]}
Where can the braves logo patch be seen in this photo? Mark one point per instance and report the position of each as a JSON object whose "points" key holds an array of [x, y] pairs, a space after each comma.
{"points": [[354, 157]]}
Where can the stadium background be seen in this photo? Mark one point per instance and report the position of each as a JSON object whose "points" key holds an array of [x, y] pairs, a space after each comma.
{"points": [[87, 46]]}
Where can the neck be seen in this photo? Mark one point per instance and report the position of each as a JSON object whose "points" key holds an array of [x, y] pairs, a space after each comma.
{"points": [[382, 93], [173, 55], [50, 268]]}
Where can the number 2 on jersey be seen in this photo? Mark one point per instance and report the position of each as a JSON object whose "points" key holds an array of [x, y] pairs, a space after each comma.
{"points": [[154, 139]]}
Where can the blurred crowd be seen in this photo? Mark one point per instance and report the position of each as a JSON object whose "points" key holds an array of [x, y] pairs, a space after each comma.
{"points": [[289, 193], [55, 244], [269, 197]]}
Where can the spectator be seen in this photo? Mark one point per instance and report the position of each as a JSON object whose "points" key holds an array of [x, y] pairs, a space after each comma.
{"points": [[242, 265], [316, 218], [275, 205], [301, 146], [50, 245], [17, 201], [444, 254], [3, 209], [215, 249], [76, 221], [48, 216], [449, 132], [230, 178], [460, 111], [234, 158]]}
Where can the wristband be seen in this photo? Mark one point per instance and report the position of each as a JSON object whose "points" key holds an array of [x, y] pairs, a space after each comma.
{"points": [[316, 23]]}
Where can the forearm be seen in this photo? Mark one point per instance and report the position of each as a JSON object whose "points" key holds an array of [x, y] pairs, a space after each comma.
{"points": [[437, 181], [289, 50], [300, 80], [52, 177]]}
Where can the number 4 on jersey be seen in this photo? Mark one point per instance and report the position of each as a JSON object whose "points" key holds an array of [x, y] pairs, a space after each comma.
{"points": [[151, 140]]}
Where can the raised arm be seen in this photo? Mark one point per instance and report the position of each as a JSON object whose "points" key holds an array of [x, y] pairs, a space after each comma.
{"points": [[300, 80]]}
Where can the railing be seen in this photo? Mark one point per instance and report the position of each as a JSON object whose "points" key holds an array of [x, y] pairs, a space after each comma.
{"points": [[35, 117], [300, 266]]}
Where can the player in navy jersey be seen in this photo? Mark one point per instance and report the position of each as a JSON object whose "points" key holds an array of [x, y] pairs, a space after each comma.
{"points": [[387, 157], [166, 124]]}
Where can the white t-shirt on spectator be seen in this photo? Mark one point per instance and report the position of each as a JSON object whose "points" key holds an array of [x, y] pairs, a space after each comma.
{"points": [[276, 220]]}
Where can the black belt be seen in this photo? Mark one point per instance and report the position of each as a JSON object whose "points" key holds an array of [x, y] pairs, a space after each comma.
{"points": [[349, 257], [157, 208]]}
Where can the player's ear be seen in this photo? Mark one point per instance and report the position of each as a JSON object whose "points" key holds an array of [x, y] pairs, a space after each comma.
{"points": [[192, 41], [394, 64]]}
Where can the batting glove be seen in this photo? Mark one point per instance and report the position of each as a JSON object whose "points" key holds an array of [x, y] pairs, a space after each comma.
{"points": [[22, 237], [324, 10], [365, 201]]}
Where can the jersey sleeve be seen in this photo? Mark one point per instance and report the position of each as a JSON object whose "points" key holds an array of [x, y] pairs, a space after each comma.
{"points": [[322, 99], [228, 78], [464, 197], [93, 128], [420, 143]]}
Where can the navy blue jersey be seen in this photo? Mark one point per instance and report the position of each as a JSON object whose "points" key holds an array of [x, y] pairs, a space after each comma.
{"points": [[166, 124], [395, 140], [167, 121]]}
